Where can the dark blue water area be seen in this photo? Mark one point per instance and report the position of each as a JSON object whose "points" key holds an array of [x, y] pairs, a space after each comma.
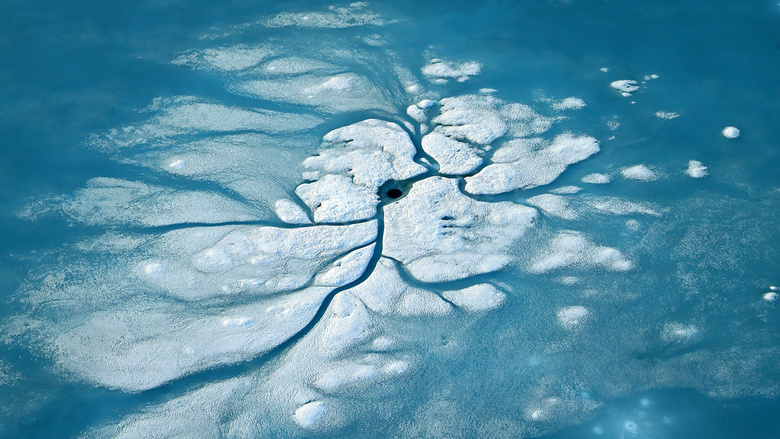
{"points": [[70, 69]]}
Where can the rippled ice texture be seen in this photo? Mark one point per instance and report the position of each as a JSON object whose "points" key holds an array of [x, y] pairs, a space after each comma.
{"points": [[260, 264]]}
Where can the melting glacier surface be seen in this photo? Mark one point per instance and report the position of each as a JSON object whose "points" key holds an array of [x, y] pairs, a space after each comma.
{"points": [[392, 220]]}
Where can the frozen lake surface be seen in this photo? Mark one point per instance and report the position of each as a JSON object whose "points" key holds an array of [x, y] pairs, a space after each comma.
{"points": [[507, 219]]}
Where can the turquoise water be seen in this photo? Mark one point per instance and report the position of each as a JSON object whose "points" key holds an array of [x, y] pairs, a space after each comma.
{"points": [[672, 336]]}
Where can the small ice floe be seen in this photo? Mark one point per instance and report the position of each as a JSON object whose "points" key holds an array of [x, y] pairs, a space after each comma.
{"points": [[573, 317], [770, 296], [596, 178], [439, 71], [639, 172], [625, 86], [696, 169], [731, 132], [668, 115]]}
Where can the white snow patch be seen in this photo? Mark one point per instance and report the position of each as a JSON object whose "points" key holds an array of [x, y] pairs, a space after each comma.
{"points": [[625, 86], [570, 248], [639, 172], [596, 178], [532, 167], [476, 298], [439, 70], [696, 169], [573, 317], [290, 212], [731, 132]]}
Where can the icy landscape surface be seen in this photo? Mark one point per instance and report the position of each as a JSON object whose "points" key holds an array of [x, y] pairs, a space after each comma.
{"points": [[347, 235]]}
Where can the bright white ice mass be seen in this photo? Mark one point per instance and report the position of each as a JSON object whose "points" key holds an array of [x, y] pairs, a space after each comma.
{"points": [[266, 264]]}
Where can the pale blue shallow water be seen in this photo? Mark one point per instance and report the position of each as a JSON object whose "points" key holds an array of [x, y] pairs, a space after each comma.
{"points": [[74, 69]]}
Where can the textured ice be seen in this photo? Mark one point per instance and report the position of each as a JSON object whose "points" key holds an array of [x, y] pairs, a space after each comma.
{"points": [[531, 166], [230, 59], [596, 178], [668, 115], [186, 115], [110, 201], [626, 86], [320, 306], [337, 18], [453, 157], [554, 205], [439, 234], [345, 92], [477, 298], [290, 212], [639, 172], [731, 132], [440, 71], [572, 249], [355, 162], [696, 169]]}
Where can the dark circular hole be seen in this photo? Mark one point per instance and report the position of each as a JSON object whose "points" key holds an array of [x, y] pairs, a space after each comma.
{"points": [[394, 193]]}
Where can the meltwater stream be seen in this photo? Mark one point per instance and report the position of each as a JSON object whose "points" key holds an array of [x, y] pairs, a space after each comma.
{"points": [[541, 219]]}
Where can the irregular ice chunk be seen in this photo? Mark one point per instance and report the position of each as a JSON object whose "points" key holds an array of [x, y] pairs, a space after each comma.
{"points": [[290, 212], [626, 86], [533, 167], [439, 70], [696, 169], [572, 249], [113, 202], [439, 234], [639, 172], [345, 92], [570, 103], [554, 205], [476, 298], [359, 159], [731, 132], [573, 317], [454, 157], [668, 115], [596, 178]]}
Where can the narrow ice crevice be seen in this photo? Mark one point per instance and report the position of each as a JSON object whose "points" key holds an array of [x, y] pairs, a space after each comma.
{"points": [[356, 161], [531, 166], [201, 263], [440, 235]]}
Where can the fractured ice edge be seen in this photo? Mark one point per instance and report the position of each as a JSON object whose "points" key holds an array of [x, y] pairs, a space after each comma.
{"points": [[344, 292]]}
